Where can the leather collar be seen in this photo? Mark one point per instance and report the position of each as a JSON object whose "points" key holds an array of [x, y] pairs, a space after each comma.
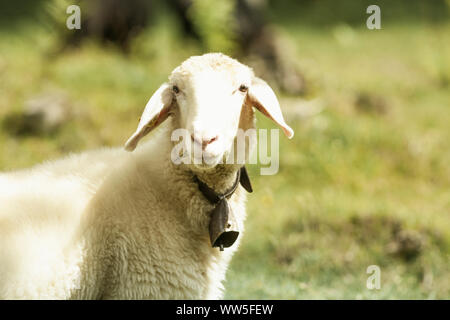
{"points": [[214, 197]]}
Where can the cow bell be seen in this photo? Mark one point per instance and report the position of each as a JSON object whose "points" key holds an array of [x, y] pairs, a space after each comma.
{"points": [[223, 229]]}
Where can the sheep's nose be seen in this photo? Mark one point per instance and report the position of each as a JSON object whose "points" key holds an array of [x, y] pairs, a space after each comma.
{"points": [[203, 141]]}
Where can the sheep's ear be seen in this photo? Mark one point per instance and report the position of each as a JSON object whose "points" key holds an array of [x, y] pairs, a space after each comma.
{"points": [[263, 98], [155, 112]]}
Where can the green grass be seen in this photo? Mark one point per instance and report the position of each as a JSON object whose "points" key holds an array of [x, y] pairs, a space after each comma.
{"points": [[357, 181], [365, 182]]}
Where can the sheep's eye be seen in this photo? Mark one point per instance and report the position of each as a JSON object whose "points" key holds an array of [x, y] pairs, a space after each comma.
{"points": [[243, 88], [175, 89]]}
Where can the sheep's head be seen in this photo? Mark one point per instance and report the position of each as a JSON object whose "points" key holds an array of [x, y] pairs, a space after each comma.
{"points": [[211, 97]]}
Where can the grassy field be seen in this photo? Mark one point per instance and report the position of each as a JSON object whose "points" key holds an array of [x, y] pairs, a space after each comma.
{"points": [[364, 182]]}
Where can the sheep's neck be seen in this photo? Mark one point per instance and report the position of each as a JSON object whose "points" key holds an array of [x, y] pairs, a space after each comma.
{"points": [[212, 195], [219, 179]]}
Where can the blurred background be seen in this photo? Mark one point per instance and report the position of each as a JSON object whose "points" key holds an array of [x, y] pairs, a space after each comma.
{"points": [[365, 181]]}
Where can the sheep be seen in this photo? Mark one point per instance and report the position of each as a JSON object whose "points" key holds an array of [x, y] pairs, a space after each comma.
{"points": [[110, 224]]}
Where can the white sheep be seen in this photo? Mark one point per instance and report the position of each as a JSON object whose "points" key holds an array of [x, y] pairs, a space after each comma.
{"points": [[110, 224]]}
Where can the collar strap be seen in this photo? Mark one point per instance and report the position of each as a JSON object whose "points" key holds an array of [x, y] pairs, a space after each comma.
{"points": [[214, 197]]}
